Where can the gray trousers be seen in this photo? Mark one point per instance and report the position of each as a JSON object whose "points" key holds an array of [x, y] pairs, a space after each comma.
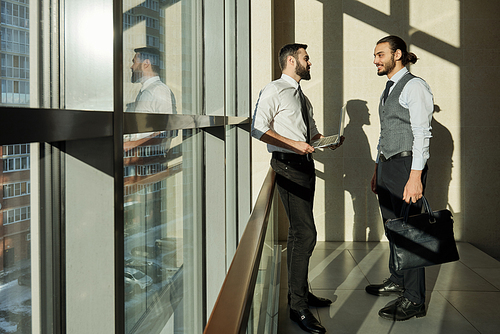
{"points": [[296, 184]]}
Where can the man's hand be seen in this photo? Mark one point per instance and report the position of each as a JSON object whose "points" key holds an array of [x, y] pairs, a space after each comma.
{"points": [[333, 147], [413, 189], [373, 182], [302, 148], [299, 147]]}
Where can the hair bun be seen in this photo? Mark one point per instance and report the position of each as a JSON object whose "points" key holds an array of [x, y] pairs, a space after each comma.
{"points": [[411, 58]]}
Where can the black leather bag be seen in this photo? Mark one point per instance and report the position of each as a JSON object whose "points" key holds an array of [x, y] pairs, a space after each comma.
{"points": [[422, 240]]}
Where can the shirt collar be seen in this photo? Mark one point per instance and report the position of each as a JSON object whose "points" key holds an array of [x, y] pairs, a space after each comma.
{"points": [[396, 77], [149, 81], [290, 80]]}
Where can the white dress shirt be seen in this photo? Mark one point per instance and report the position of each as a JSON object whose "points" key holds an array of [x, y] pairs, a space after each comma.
{"points": [[417, 97], [154, 97], [279, 109]]}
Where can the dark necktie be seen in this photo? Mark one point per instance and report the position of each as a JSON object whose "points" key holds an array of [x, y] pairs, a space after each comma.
{"points": [[138, 97], [386, 91], [305, 116]]}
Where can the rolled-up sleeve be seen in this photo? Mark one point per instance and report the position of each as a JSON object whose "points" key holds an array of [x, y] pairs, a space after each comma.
{"points": [[265, 111]]}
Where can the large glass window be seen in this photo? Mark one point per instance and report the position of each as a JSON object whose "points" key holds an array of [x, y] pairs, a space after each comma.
{"points": [[60, 218], [161, 213], [162, 171], [15, 239], [15, 205], [88, 55], [14, 53], [157, 38]]}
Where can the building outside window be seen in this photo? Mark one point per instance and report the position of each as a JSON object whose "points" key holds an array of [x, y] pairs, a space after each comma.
{"points": [[60, 216], [15, 209]]}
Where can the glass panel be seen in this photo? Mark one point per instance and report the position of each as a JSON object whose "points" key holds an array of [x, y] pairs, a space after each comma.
{"points": [[162, 170], [157, 38], [162, 215], [214, 58], [88, 50], [231, 192], [15, 247], [230, 55], [14, 50], [264, 310]]}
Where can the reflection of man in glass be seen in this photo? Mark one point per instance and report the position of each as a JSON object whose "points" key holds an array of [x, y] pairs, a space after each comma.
{"points": [[154, 96], [148, 161]]}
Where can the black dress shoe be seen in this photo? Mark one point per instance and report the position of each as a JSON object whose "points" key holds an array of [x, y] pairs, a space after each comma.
{"points": [[402, 309], [307, 321], [385, 289], [315, 301]]}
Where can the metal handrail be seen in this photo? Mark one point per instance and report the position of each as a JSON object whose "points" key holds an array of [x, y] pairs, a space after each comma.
{"points": [[231, 311]]}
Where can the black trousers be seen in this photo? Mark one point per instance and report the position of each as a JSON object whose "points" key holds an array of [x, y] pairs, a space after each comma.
{"points": [[296, 182], [392, 176]]}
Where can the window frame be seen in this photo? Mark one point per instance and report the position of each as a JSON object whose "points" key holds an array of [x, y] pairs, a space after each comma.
{"points": [[53, 126]]}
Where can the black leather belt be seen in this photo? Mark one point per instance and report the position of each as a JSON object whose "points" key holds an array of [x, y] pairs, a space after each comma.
{"points": [[292, 157], [396, 156]]}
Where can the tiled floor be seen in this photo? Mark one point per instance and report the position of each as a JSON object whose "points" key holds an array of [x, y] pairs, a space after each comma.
{"points": [[462, 297]]}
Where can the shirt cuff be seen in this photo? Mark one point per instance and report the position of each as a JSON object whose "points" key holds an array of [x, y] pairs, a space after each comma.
{"points": [[418, 163]]}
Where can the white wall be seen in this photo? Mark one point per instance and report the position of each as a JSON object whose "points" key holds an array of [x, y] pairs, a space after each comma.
{"points": [[455, 42]]}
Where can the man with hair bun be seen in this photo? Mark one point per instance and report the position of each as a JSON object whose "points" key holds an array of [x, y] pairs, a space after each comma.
{"points": [[405, 111]]}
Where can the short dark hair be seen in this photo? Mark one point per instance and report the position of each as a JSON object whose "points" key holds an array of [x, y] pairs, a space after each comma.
{"points": [[397, 43], [152, 54], [289, 50]]}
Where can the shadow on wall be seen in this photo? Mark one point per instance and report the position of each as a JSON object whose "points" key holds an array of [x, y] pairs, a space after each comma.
{"points": [[440, 166], [473, 137], [367, 222]]}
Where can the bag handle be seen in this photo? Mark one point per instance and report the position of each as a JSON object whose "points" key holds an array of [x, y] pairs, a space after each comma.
{"points": [[427, 209]]}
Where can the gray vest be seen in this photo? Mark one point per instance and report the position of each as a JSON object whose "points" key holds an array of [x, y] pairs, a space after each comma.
{"points": [[395, 128]]}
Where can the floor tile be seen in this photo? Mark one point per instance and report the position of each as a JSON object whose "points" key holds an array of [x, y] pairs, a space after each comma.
{"points": [[335, 270], [481, 309], [463, 297], [373, 263], [475, 258], [357, 312], [339, 245], [442, 317], [456, 276], [492, 275]]}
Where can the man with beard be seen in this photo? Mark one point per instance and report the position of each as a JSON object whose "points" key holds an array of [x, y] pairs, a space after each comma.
{"points": [[405, 111], [154, 96], [283, 119]]}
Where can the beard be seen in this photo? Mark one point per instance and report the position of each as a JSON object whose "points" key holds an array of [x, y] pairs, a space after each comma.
{"points": [[136, 76], [388, 67], [302, 72]]}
